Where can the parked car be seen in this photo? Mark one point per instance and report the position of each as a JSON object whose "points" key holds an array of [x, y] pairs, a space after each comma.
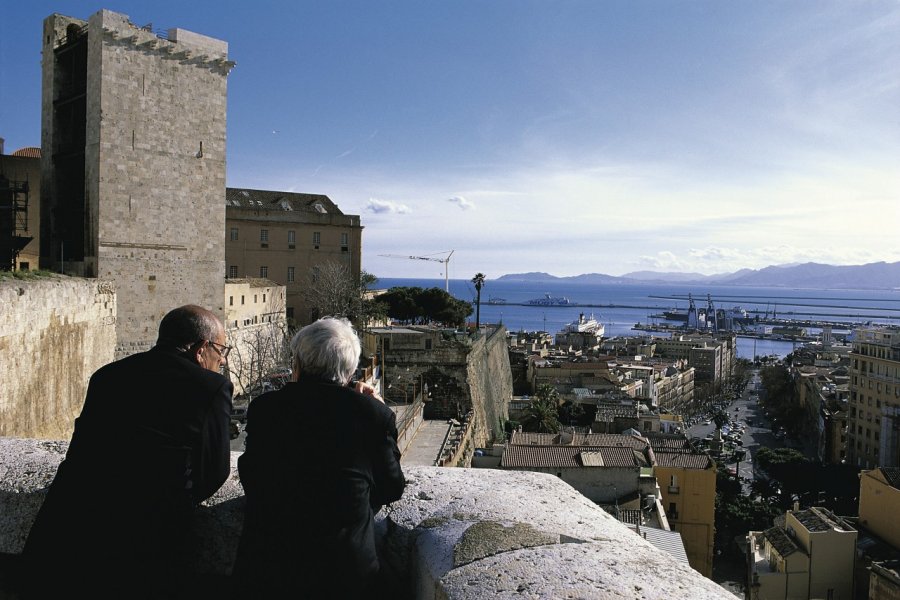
{"points": [[239, 414]]}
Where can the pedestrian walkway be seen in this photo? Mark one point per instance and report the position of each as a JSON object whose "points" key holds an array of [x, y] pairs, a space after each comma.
{"points": [[424, 449]]}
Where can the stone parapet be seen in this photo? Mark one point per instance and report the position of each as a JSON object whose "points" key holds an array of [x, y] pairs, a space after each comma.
{"points": [[457, 533]]}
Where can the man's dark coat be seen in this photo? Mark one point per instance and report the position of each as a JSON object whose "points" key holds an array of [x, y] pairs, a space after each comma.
{"points": [[320, 460], [151, 443]]}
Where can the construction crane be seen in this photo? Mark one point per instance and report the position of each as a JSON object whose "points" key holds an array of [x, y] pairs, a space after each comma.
{"points": [[446, 262]]}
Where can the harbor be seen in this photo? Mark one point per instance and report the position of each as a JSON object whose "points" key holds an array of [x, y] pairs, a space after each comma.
{"points": [[620, 307]]}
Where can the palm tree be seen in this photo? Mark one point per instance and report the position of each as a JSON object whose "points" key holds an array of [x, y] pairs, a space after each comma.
{"points": [[542, 415], [478, 280]]}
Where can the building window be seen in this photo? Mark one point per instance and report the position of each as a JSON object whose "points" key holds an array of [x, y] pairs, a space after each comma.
{"points": [[234, 234], [292, 239], [242, 300], [232, 271], [230, 300], [289, 312], [264, 298], [263, 238], [317, 239], [315, 273], [264, 272], [290, 276], [345, 242], [254, 298]]}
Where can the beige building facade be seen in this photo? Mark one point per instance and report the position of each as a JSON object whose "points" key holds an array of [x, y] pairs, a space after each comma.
{"points": [[288, 238], [873, 436], [687, 480], [811, 556], [257, 331], [879, 503]]}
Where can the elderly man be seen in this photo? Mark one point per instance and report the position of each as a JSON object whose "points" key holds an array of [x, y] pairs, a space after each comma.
{"points": [[150, 445], [321, 458]]}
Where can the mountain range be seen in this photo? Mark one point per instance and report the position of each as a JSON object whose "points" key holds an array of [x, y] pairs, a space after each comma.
{"points": [[871, 276]]}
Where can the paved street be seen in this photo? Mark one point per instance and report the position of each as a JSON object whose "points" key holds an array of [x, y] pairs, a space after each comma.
{"points": [[425, 446]]}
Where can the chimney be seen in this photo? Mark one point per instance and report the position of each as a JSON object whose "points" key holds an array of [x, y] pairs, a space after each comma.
{"points": [[1, 145]]}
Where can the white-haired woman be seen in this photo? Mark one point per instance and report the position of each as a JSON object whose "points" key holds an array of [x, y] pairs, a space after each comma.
{"points": [[321, 458]]}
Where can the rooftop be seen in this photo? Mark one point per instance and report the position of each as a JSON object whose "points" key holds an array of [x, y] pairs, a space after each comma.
{"points": [[279, 201], [547, 457], [818, 519], [892, 476], [779, 539], [610, 440]]}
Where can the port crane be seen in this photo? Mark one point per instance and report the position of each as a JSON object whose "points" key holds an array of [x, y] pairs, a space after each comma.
{"points": [[446, 262]]}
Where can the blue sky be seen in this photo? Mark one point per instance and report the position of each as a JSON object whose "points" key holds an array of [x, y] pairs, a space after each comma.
{"points": [[566, 137]]}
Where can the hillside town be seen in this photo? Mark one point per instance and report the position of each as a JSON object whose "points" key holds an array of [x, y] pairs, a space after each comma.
{"points": [[772, 478]]}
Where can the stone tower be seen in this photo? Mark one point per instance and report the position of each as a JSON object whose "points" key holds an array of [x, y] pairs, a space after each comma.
{"points": [[133, 165]]}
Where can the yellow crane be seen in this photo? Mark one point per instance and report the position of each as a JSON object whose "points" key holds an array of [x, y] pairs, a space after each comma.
{"points": [[445, 260]]}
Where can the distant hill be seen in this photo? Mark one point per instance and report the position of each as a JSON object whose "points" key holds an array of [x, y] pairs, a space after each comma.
{"points": [[879, 275]]}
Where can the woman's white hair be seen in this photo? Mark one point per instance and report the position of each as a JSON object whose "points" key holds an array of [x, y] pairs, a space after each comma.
{"points": [[328, 348]]}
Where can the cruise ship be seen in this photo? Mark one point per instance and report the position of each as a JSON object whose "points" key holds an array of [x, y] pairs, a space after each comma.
{"points": [[584, 325]]}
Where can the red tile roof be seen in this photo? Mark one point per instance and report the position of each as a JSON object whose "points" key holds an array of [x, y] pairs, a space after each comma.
{"points": [[569, 456], [682, 460], [28, 152], [577, 439]]}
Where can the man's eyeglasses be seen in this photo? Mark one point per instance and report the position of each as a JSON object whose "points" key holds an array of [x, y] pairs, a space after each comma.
{"points": [[222, 350]]}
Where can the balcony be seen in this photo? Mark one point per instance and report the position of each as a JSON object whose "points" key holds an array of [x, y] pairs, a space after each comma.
{"points": [[674, 489]]}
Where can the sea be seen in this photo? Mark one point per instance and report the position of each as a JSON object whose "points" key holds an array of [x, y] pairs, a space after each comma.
{"points": [[620, 307]]}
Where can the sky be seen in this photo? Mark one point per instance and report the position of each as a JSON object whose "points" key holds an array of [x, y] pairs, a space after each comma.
{"points": [[559, 136]]}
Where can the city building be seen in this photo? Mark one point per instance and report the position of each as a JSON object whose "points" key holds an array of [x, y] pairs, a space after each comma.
{"points": [[712, 355], [884, 580], [133, 168], [687, 481], [823, 405], [20, 210], [873, 435], [879, 503], [643, 469], [257, 331], [606, 468], [810, 556], [289, 238]]}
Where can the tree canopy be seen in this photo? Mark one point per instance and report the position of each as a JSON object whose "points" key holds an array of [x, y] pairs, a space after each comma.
{"points": [[334, 291], [415, 305], [542, 415]]}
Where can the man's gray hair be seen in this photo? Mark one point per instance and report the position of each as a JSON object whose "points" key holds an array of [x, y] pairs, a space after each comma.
{"points": [[328, 348], [186, 325]]}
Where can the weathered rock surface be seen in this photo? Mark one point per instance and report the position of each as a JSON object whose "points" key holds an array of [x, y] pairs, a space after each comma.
{"points": [[457, 533]]}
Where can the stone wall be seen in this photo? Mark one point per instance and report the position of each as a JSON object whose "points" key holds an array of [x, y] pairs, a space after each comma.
{"points": [[455, 534], [54, 333], [461, 374], [490, 384]]}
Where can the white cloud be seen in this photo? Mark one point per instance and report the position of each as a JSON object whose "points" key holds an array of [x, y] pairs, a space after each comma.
{"points": [[663, 260], [386, 207], [461, 202]]}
